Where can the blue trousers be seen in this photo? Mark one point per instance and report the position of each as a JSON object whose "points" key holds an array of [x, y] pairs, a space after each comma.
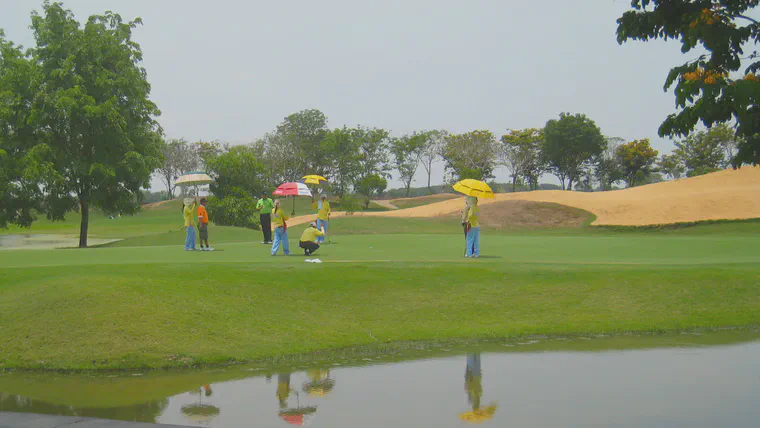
{"points": [[320, 225], [280, 236], [190, 239], [473, 242]]}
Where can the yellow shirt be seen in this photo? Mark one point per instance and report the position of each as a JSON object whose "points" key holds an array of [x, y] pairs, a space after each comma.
{"points": [[188, 215], [311, 234], [279, 217], [473, 216], [324, 213]]}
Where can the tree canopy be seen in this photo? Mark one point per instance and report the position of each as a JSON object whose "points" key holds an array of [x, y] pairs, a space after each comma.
{"points": [[718, 86], [570, 144]]}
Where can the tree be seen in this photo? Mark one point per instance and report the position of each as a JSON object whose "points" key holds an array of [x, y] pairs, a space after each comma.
{"points": [[179, 158], [636, 160], [726, 138], [373, 158], [406, 152], [236, 172], [570, 144], [282, 158], [672, 166], [700, 155], [520, 153], [432, 151], [304, 131], [371, 185], [471, 155], [704, 89], [606, 166], [343, 151], [94, 110], [24, 161]]}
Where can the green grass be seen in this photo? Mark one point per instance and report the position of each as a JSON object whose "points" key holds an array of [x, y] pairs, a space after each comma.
{"points": [[160, 306], [145, 303]]}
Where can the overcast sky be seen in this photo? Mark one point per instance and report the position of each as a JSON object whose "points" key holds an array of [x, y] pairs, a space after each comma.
{"points": [[232, 69]]}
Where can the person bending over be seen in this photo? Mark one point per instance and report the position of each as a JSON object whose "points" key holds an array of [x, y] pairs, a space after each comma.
{"points": [[309, 239]]}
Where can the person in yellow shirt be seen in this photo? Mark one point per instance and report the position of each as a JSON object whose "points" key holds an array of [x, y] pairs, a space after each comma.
{"points": [[279, 219], [323, 215], [188, 212], [471, 220], [309, 239]]}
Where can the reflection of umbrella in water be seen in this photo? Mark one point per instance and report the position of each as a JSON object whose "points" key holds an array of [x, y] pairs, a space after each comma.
{"points": [[292, 190], [320, 384], [193, 178], [473, 384], [298, 415], [200, 412]]}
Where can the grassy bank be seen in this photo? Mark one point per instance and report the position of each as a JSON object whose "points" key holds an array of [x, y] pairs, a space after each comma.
{"points": [[160, 306]]}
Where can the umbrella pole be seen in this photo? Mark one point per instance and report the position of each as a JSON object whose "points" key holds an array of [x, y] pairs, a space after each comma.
{"points": [[464, 226], [294, 206]]}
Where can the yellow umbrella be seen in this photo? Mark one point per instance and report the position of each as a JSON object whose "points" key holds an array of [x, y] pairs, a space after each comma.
{"points": [[474, 188], [314, 179], [478, 415]]}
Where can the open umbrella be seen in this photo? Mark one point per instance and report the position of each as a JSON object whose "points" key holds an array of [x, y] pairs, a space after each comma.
{"points": [[474, 188], [479, 415], [314, 179], [200, 412], [320, 385], [292, 190], [193, 178]]}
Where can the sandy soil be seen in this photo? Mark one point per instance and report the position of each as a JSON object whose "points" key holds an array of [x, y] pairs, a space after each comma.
{"points": [[723, 195], [386, 204]]}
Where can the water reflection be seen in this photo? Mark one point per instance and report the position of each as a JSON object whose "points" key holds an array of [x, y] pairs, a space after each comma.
{"points": [[672, 381], [473, 384], [200, 412]]}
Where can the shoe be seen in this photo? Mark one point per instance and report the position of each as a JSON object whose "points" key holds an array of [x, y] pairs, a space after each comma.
{"points": [[264, 242], [209, 249], [189, 249], [476, 256]]}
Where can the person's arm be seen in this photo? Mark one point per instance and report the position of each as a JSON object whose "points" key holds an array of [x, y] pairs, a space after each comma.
{"points": [[320, 232], [329, 209], [465, 211]]}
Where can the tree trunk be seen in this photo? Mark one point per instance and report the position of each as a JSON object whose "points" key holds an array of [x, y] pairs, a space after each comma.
{"points": [[430, 191], [408, 188], [85, 210], [514, 183]]}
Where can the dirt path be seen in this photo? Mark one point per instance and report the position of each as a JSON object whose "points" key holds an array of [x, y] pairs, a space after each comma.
{"points": [[723, 195]]}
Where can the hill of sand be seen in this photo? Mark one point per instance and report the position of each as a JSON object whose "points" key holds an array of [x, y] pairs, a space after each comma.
{"points": [[723, 195]]}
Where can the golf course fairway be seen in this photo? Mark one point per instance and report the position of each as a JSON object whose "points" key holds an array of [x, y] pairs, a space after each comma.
{"points": [[141, 303]]}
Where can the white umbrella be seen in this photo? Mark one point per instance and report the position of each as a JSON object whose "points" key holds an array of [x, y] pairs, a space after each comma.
{"points": [[193, 178]]}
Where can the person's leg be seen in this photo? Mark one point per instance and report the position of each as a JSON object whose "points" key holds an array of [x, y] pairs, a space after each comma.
{"points": [[191, 238], [305, 247], [266, 227], [325, 224], [313, 246], [277, 238], [188, 244], [285, 243], [476, 242], [470, 241], [320, 224]]}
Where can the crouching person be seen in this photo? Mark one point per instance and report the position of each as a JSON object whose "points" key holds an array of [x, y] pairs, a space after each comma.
{"points": [[309, 238]]}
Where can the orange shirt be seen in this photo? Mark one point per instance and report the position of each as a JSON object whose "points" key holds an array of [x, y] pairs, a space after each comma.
{"points": [[202, 214]]}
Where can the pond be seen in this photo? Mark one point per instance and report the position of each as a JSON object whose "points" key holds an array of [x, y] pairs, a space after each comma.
{"points": [[685, 380], [45, 242]]}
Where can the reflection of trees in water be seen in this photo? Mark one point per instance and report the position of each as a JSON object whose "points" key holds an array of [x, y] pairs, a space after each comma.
{"points": [[146, 412]]}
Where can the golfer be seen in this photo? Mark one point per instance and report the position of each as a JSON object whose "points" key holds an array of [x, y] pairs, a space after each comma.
{"points": [[309, 239], [203, 225], [323, 215], [188, 213], [470, 218], [279, 219], [265, 205]]}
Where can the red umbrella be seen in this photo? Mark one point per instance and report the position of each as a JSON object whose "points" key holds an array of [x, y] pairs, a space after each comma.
{"points": [[292, 189]]}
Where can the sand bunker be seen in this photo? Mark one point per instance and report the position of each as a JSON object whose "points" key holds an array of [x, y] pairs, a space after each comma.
{"points": [[723, 195]]}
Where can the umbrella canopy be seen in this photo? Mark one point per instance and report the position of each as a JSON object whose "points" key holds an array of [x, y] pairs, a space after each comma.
{"points": [[474, 188], [292, 189], [314, 179], [193, 178]]}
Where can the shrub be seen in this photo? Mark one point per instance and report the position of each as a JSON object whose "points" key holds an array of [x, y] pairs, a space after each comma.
{"points": [[233, 211], [349, 203]]}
